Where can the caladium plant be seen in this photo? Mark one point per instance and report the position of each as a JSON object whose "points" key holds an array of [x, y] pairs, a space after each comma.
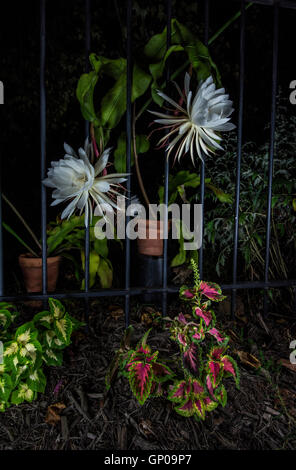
{"points": [[28, 348], [195, 382]]}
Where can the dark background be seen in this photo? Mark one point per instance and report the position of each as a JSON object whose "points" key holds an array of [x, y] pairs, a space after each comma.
{"points": [[65, 59]]}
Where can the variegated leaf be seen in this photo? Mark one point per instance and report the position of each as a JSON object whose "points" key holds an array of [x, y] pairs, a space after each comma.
{"points": [[63, 329], [53, 357], [23, 393], [36, 380], [5, 387], [140, 379], [56, 307], [45, 319], [211, 290]]}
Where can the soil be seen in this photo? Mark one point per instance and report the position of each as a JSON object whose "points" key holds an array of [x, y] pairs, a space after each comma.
{"points": [[261, 415]]}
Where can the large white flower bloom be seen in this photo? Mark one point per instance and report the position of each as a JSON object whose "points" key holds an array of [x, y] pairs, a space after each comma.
{"points": [[76, 180], [197, 123]]}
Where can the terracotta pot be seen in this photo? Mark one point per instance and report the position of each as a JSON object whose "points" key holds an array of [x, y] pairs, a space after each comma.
{"points": [[32, 272], [150, 241]]}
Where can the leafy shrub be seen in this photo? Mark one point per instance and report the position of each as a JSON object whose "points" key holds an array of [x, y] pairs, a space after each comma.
{"points": [[195, 383], [29, 348], [219, 219]]}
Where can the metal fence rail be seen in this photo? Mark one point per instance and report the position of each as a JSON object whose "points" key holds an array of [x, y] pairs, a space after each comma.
{"points": [[128, 291]]}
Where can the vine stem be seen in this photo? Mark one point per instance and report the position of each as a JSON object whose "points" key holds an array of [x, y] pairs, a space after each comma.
{"points": [[139, 176], [26, 225]]}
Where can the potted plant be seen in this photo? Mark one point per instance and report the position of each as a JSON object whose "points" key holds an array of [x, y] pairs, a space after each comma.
{"points": [[31, 261]]}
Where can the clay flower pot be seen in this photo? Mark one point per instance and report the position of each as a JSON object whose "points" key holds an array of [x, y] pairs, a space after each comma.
{"points": [[150, 241], [32, 272]]}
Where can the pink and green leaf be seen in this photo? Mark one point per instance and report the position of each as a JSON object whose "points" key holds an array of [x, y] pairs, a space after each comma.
{"points": [[210, 404], [187, 408], [221, 396], [230, 366], [190, 358], [186, 293], [178, 391], [212, 291], [219, 337], [206, 316], [140, 379], [161, 372], [215, 369], [196, 388]]}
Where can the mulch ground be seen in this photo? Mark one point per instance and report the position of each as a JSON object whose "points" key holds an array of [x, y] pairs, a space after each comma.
{"points": [[261, 415]]}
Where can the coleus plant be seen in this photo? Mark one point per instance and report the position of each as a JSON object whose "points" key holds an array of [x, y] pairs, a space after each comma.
{"points": [[29, 348], [195, 382]]}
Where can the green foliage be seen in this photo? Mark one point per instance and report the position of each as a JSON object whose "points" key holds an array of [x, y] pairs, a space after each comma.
{"points": [[69, 235], [195, 383], [28, 348], [106, 111], [180, 185], [219, 220]]}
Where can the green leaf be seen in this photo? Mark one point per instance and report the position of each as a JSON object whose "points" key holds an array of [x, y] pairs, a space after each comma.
{"points": [[5, 318], [5, 387], [63, 329], [101, 247], [56, 308], [223, 197], [45, 318], [105, 273], [53, 357], [60, 233], [94, 261], [19, 239], [23, 393], [85, 94], [142, 145], [36, 380]]}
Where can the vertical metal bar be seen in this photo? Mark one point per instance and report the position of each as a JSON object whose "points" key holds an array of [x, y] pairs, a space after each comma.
{"points": [[239, 152], [202, 169], [128, 149], [166, 183], [43, 141], [86, 244], [272, 140], [87, 47], [1, 234]]}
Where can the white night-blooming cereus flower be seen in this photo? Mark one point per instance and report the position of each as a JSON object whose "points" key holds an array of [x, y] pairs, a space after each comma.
{"points": [[198, 121], [76, 180]]}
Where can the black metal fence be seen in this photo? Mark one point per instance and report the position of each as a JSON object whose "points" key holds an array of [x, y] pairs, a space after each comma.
{"points": [[128, 291]]}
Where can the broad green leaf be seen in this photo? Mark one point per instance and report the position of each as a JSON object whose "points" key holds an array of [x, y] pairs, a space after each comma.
{"points": [[105, 273], [36, 380], [23, 393], [53, 357], [45, 318], [5, 318], [85, 94], [94, 260], [142, 145], [5, 387], [101, 247], [60, 232], [63, 329], [56, 307]]}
